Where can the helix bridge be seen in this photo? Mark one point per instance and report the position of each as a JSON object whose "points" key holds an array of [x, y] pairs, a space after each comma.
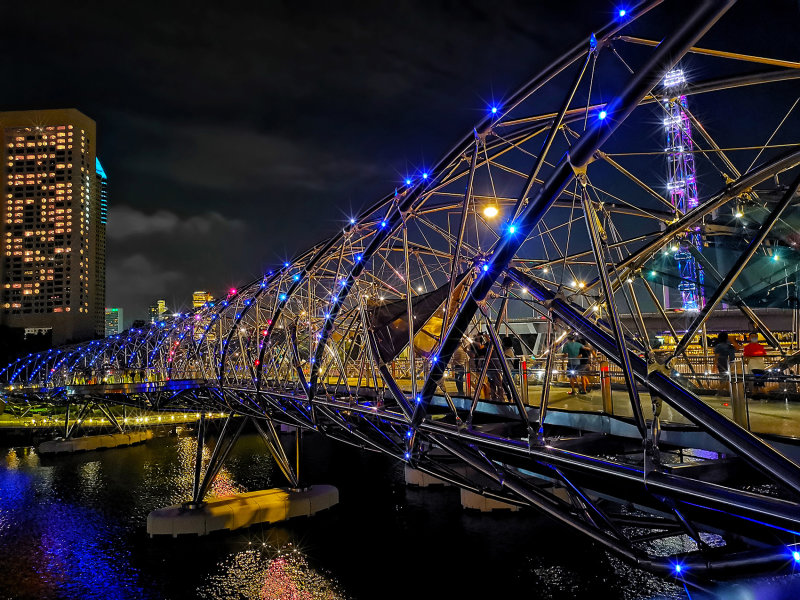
{"points": [[567, 203]]}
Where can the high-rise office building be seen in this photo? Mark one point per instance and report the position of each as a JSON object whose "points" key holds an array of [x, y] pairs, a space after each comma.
{"points": [[157, 309], [52, 272], [113, 321], [199, 298]]}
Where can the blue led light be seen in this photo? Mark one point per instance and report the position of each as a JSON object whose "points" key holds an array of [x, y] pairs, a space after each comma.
{"points": [[796, 556], [282, 297], [603, 114], [485, 267], [622, 12], [383, 223], [419, 399], [424, 175], [296, 277], [358, 258], [408, 456], [286, 264], [512, 229], [408, 182], [352, 221], [494, 110]]}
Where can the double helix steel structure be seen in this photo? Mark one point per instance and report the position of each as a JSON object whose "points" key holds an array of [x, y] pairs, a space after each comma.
{"points": [[553, 205]]}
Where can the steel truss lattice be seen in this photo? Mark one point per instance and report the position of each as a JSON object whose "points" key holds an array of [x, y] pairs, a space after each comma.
{"points": [[576, 178]]}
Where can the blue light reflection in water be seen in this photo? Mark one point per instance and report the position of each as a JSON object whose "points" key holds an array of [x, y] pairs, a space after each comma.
{"points": [[73, 527]]}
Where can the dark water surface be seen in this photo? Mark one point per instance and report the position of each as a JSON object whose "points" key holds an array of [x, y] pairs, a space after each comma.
{"points": [[74, 527]]}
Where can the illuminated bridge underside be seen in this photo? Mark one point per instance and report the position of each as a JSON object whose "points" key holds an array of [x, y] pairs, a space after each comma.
{"points": [[577, 181]]}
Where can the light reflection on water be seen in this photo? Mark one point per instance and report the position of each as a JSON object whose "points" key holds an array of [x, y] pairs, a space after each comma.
{"points": [[73, 527], [263, 572]]}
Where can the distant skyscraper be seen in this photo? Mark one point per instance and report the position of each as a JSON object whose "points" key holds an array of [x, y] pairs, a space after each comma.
{"points": [[157, 309], [113, 321], [200, 298], [53, 225]]}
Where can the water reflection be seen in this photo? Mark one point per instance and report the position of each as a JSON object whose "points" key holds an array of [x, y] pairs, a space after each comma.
{"points": [[268, 573], [223, 485], [57, 549], [73, 527]]}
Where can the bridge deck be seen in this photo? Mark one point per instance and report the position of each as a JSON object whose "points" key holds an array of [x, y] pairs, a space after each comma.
{"points": [[770, 415]]}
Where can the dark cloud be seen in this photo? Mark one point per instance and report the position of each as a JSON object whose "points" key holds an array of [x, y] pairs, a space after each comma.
{"points": [[142, 278], [235, 159], [125, 222]]}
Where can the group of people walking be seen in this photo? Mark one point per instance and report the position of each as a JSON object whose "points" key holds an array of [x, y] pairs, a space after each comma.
{"points": [[479, 364], [476, 356]]}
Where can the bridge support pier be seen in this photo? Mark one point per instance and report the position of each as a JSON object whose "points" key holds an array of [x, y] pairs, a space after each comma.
{"points": [[200, 516]]}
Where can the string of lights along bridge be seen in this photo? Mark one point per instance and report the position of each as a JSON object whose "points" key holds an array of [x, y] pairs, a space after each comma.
{"points": [[550, 218]]}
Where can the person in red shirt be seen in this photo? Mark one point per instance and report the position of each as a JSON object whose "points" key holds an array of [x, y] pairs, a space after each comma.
{"points": [[754, 354]]}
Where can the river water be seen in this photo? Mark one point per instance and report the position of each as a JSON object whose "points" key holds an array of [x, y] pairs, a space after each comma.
{"points": [[74, 527]]}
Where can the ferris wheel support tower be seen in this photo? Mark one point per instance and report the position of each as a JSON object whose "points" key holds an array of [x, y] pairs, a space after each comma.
{"points": [[682, 188]]}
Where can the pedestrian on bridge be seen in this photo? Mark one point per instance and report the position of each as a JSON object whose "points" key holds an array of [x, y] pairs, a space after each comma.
{"points": [[460, 366], [572, 350], [585, 354], [754, 354], [724, 353]]}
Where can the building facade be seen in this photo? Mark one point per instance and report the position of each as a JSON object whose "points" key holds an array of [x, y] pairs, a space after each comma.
{"points": [[114, 321], [52, 273], [200, 298], [157, 309]]}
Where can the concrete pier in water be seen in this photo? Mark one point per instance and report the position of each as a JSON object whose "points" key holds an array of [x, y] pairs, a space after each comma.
{"points": [[242, 510], [94, 442]]}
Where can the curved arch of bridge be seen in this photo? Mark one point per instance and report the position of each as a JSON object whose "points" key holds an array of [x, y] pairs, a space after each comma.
{"points": [[555, 202]]}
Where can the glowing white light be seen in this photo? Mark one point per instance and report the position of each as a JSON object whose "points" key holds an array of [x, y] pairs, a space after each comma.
{"points": [[490, 211], [674, 77]]}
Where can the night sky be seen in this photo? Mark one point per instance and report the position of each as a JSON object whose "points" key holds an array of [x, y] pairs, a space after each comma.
{"points": [[235, 135]]}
